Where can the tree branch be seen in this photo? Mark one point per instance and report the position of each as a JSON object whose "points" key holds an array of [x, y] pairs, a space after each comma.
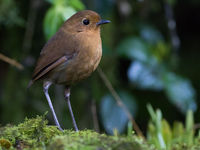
{"points": [[119, 102], [11, 61]]}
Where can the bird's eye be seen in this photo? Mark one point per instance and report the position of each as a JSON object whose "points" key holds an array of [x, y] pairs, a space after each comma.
{"points": [[86, 21]]}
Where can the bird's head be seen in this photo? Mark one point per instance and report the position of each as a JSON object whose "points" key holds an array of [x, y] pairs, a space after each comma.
{"points": [[84, 21]]}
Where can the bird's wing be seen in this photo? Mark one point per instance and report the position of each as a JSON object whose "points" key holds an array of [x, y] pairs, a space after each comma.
{"points": [[49, 67], [60, 48]]}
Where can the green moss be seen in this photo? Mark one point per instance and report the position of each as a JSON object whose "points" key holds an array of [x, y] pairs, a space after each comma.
{"points": [[5, 143], [90, 140], [31, 133], [36, 134]]}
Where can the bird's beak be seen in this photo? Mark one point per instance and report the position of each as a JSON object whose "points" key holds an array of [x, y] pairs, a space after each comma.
{"points": [[103, 22]]}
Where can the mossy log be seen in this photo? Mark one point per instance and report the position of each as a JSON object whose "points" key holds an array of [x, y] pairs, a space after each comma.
{"points": [[36, 134]]}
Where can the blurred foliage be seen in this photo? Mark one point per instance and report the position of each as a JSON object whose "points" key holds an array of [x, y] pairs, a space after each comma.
{"points": [[60, 11], [163, 136], [149, 70], [138, 59], [10, 18], [113, 116]]}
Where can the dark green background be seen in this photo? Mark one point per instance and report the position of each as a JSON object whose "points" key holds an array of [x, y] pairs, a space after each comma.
{"points": [[22, 37]]}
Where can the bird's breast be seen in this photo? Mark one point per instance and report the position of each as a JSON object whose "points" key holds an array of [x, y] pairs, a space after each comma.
{"points": [[89, 61], [82, 64]]}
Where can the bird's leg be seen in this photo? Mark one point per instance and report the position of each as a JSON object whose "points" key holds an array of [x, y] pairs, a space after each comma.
{"points": [[46, 86], [67, 96]]}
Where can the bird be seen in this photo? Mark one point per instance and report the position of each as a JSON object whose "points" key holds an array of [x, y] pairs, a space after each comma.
{"points": [[70, 55]]}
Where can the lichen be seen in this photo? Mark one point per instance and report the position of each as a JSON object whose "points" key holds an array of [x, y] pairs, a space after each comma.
{"points": [[35, 133]]}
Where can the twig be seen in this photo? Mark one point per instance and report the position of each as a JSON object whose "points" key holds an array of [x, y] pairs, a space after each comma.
{"points": [[94, 116], [11, 61], [119, 102]]}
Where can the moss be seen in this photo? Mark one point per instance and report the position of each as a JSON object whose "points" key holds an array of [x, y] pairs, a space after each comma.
{"points": [[5, 143], [31, 133], [90, 140], [36, 134]]}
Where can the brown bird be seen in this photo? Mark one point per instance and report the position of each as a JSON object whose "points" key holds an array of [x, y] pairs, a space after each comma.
{"points": [[71, 55]]}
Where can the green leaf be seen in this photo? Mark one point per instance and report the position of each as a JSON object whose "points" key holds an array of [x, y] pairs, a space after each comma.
{"points": [[178, 129], [52, 22], [60, 11], [189, 120], [151, 130], [112, 115], [157, 125], [130, 129], [144, 76], [160, 50], [55, 17], [152, 134], [166, 132], [133, 48], [149, 51], [157, 47], [189, 127], [76, 4], [180, 91], [151, 112], [150, 34], [67, 12]]}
